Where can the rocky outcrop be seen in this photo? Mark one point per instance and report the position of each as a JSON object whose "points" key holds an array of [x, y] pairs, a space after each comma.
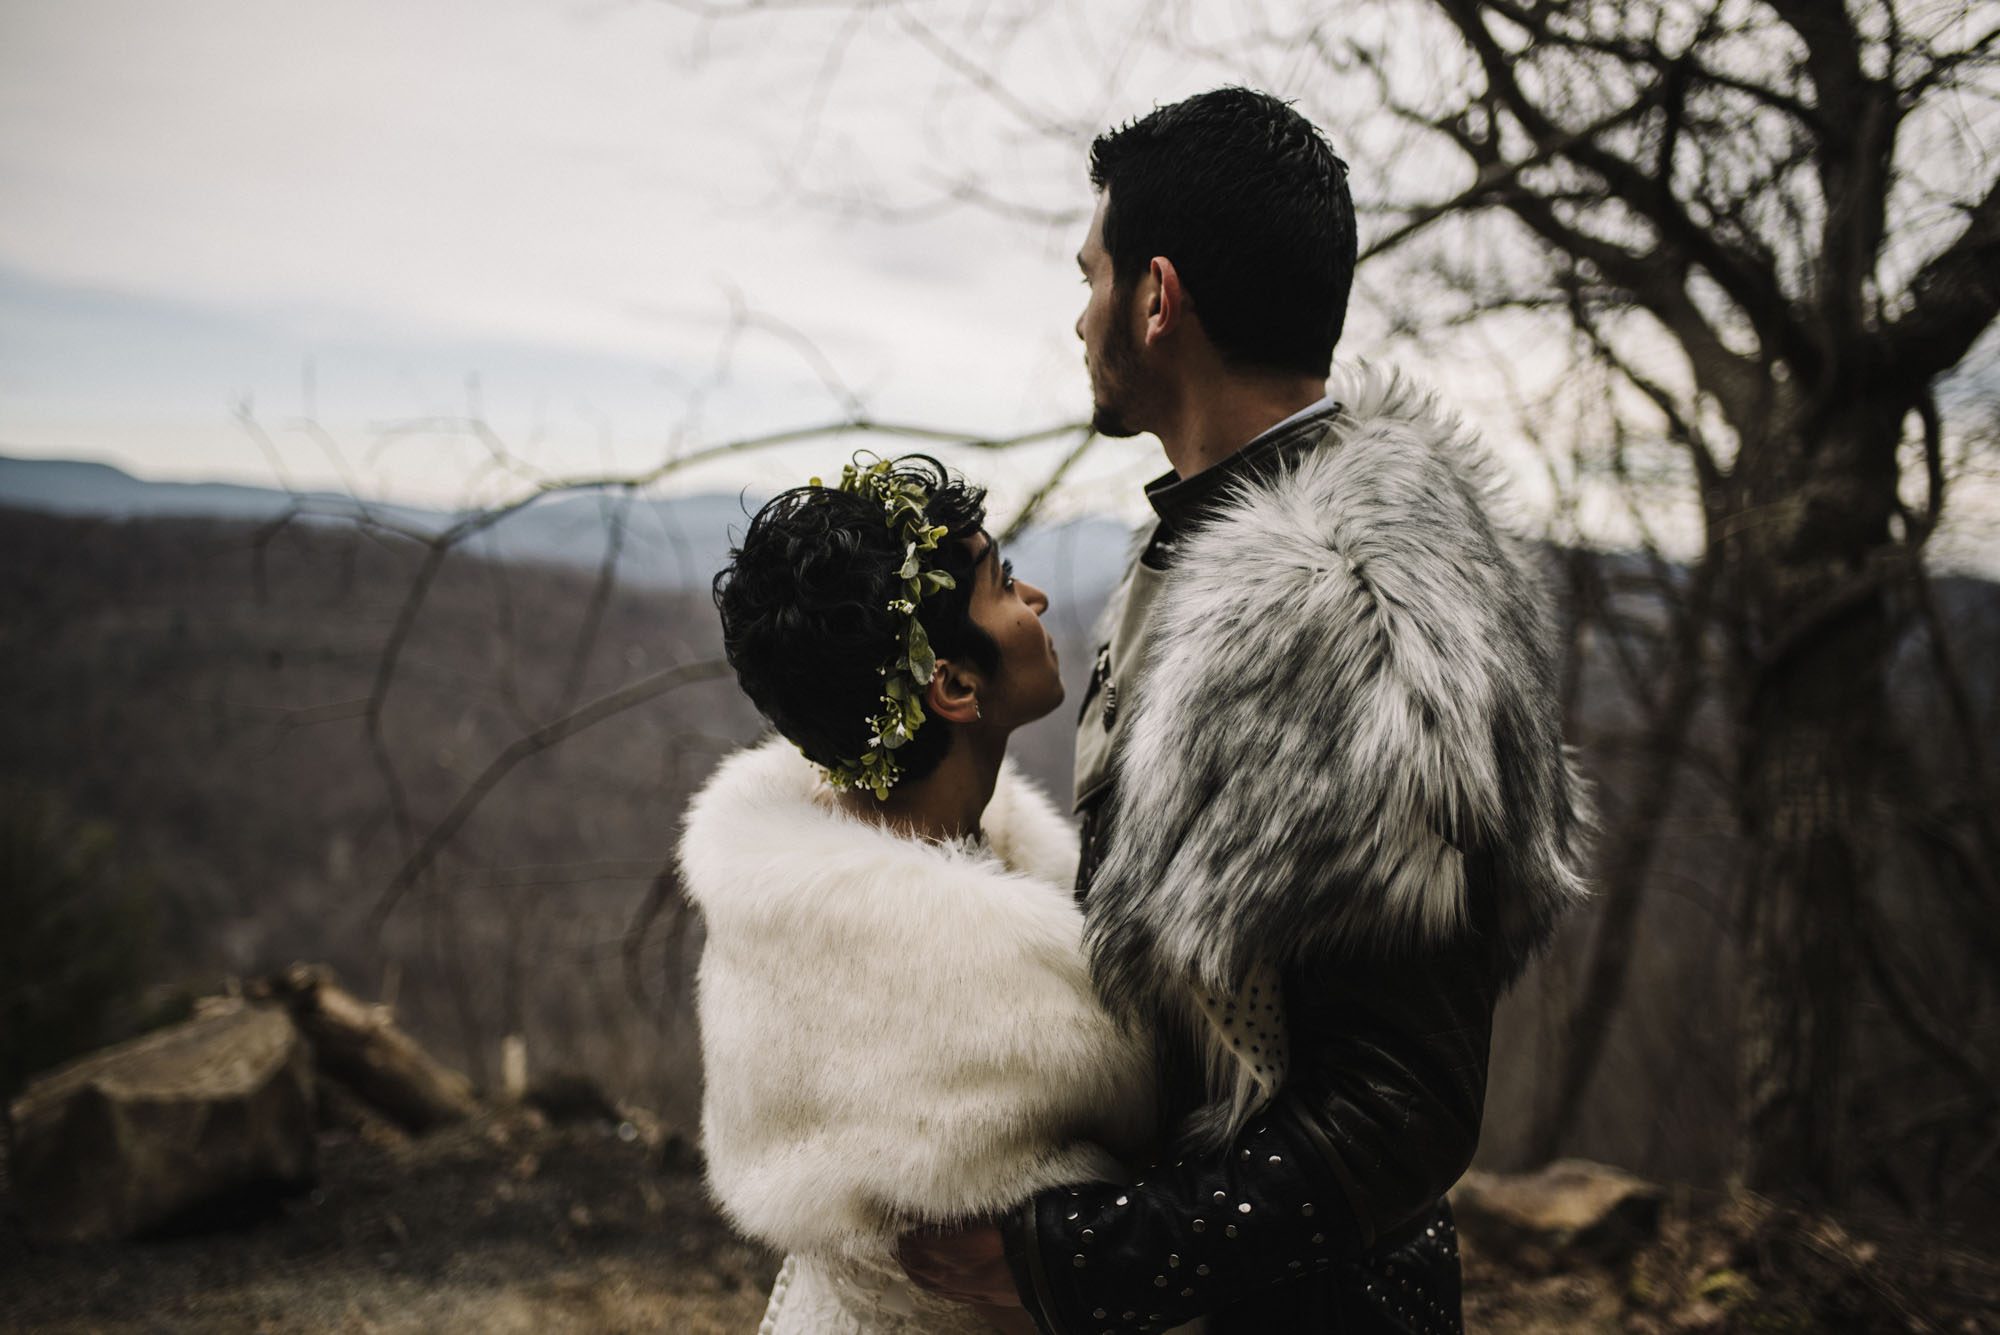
{"points": [[1571, 1212], [212, 1114]]}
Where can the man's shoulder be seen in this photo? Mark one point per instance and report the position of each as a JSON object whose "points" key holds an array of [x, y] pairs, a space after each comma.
{"points": [[1390, 429], [1393, 485], [1358, 642]]}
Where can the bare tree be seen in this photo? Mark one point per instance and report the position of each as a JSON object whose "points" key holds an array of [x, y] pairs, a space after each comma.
{"points": [[1725, 197], [1774, 228]]}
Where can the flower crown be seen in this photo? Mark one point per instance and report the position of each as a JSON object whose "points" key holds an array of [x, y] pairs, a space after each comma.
{"points": [[906, 674]]}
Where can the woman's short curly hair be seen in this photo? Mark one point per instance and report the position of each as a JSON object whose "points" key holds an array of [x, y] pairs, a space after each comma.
{"points": [[805, 611]]}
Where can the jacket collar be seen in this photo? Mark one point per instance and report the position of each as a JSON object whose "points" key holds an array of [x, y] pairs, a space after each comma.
{"points": [[1182, 502]]}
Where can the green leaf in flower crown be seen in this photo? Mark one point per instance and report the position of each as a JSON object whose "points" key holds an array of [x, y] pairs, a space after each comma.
{"points": [[923, 663], [903, 503]]}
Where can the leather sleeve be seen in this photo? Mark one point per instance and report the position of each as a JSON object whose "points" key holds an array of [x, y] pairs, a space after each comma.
{"points": [[1380, 1115], [1189, 1237], [1389, 1065]]}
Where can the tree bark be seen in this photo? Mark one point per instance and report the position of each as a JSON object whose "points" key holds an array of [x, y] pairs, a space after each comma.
{"points": [[1812, 550]]}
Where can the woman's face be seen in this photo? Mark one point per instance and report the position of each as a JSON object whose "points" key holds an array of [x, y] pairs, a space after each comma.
{"points": [[1026, 683]]}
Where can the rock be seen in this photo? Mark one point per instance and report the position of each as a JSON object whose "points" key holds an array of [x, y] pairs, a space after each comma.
{"points": [[1569, 1212], [361, 1046], [206, 1117]]}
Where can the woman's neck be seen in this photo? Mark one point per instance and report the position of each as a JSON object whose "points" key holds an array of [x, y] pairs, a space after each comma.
{"points": [[946, 803]]}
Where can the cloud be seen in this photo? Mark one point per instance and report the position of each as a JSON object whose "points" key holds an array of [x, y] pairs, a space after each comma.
{"points": [[533, 190]]}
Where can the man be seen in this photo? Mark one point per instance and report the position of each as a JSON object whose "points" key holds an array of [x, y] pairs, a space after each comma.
{"points": [[1326, 811]]}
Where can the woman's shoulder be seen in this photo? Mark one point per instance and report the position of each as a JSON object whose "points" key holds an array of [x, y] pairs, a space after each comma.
{"points": [[752, 790], [761, 841], [760, 829]]}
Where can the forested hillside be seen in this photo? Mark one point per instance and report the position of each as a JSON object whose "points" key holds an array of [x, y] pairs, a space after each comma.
{"points": [[196, 690]]}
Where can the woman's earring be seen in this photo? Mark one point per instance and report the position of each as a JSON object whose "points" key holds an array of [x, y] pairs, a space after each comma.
{"points": [[975, 710]]}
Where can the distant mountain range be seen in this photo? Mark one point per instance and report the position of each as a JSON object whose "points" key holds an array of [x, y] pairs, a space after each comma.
{"points": [[670, 541]]}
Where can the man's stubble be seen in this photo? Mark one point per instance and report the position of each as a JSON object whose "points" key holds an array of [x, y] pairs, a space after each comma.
{"points": [[1114, 379]]}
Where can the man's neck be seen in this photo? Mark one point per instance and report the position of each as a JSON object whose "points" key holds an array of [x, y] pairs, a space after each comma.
{"points": [[1218, 416]]}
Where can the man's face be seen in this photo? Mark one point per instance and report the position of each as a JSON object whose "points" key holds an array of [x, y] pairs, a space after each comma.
{"points": [[1110, 351]]}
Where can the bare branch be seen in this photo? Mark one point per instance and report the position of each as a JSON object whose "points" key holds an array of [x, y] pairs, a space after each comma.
{"points": [[1490, 177], [663, 898], [1904, 1001], [385, 675], [1086, 437], [593, 611], [597, 711], [1628, 855], [1681, 429], [1945, 67], [1753, 287], [1648, 53], [1953, 298], [976, 74]]}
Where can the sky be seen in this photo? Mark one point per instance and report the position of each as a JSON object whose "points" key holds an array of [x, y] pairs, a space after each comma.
{"points": [[579, 217], [614, 231]]}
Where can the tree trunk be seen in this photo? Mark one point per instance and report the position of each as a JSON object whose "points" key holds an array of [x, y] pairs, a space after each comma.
{"points": [[1812, 551], [1799, 966]]}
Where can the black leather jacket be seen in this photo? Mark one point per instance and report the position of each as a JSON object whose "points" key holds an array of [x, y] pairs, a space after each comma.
{"points": [[1326, 1214]]}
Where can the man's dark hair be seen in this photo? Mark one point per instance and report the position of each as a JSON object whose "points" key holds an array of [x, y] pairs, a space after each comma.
{"points": [[806, 620], [1250, 202]]}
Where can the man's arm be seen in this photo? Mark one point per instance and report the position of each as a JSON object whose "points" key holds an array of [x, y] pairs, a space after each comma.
{"points": [[1380, 1115]]}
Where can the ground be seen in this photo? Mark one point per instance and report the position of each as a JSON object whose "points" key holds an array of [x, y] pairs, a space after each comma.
{"points": [[1728, 1263], [503, 1225], [510, 1224]]}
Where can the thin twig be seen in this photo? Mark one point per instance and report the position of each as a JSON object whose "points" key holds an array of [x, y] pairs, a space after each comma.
{"points": [[1086, 437], [605, 707]]}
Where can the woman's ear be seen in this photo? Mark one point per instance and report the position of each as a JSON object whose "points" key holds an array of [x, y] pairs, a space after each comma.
{"points": [[953, 693]]}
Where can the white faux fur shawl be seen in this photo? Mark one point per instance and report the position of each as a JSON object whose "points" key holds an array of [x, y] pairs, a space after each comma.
{"points": [[893, 1031]]}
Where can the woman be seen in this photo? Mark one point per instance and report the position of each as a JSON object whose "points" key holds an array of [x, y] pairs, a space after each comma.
{"points": [[898, 1027]]}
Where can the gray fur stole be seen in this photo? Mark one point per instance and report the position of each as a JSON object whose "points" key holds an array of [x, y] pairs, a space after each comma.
{"points": [[1350, 687]]}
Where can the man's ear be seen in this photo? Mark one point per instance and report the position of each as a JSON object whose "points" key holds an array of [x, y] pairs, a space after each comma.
{"points": [[1166, 301], [953, 693]]}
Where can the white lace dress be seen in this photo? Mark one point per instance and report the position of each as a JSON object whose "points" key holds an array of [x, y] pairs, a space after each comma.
{"points": [[847, 1297]]}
